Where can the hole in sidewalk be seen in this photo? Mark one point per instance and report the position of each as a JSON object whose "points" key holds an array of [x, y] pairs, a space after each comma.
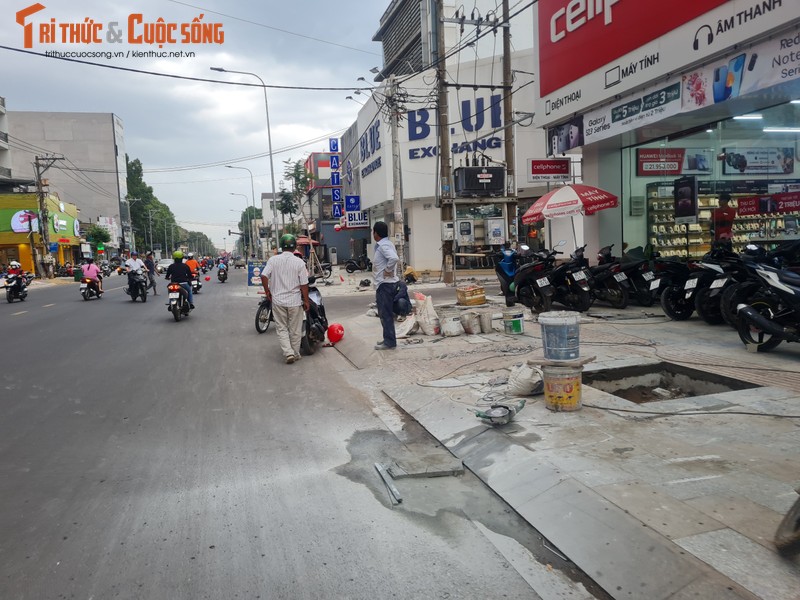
{"points": [[661, 381]]}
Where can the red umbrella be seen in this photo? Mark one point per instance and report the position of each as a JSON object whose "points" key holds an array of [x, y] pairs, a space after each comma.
{"points": [[568, 201], [304, 241]]}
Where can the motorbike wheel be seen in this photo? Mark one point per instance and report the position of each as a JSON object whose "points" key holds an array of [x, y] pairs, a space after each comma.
{"points": [[534, 299], [733, 296], [787, 537], [350, 268], [753, 337], [326, 273], [616, 295], [9, 297], [85, 294], [143, 294], [264, 318], [176, 312], [579, 300], [674, 304], [708, 307], [307, 347], [644, 297]]}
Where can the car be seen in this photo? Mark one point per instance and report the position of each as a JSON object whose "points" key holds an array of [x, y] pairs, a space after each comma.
{"points": [[161, 266], [239, 262]]}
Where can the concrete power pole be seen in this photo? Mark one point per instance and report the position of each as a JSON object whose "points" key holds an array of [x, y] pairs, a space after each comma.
{"points": [[45, 265], [399, 219], [445, 191], [508, 124]]}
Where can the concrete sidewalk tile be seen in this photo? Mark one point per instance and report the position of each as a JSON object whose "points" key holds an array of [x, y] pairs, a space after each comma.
{"points": [[749, 564], [670, 517], [587, 469], [627, 559], [713, 588], [740, 514], [522, 482]]}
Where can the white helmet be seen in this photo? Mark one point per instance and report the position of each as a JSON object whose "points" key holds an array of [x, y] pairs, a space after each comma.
{"points": [[190, 255], [14, 264]]}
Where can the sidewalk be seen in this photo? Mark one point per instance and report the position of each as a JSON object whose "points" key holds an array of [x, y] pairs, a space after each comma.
{"points": [[650, 506]]}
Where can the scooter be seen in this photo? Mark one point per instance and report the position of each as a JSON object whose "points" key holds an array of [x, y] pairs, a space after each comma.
{"points": [[137, 285], [222, 274], [571, 281], [196, 284], [362, 263], [772, 316], [641, 281], [527, 284], [608, 282], [178, 301], [315, 323], [89, 289], [17, 287]]}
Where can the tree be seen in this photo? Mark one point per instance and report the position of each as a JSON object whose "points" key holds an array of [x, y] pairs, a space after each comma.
{"points": [[96, 234]]}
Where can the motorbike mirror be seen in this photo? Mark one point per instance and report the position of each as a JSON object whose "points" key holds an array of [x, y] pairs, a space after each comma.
{"points": [[525, 247], [311, 279], [561, 243]]}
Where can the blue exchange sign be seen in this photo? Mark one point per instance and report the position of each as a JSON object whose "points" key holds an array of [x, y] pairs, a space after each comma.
{"points": [[352, 203]]}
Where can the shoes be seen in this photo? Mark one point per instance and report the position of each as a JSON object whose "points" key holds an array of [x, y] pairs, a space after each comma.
{"points": [[297, 357], [191, 306], [382, 346], [289, 360]]}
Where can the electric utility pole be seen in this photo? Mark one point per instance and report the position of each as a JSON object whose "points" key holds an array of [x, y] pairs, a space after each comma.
{"points": [[45, 265], [508, 124], [397, 192], [445, 189]]}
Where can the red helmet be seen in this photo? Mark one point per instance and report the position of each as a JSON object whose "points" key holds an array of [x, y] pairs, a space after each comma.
{"points": [[335, 333]]}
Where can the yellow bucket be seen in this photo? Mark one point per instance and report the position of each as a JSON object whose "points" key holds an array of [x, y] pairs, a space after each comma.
{"points": [[562, 388]]}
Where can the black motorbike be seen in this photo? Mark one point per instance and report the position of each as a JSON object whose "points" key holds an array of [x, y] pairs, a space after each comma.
{"points": [[17, 287], [178, 301], [362, 263], [197, 285], [642, 283], [719, 270], [222, 275], [264, 315], [608, 282], [676, 300], [90, 288], [315, 323], [525, 283], [137, 285]]}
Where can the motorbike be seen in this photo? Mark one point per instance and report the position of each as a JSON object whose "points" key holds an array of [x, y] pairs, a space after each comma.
{"points": [[677, 300], [196, 283], [642, 282], [720, 269], [773, 314], [17, 286], [178, 301], [362, 263], [264, 315], [89, 289], [105, 268], [609, 283], [204, 269], [137, 285], [524, 283], [222, 274], [571, 280], [315, 323]]}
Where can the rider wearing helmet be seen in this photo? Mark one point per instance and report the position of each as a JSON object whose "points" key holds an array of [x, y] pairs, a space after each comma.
{"points": [[14, 268], [285, 281], [92, 271], [193, 265], [179, 272]]}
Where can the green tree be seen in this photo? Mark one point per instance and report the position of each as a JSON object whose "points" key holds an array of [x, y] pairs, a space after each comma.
{"points": [[97, 235]]}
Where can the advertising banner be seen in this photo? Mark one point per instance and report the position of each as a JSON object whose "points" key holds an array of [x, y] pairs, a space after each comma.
{"points": [[758, 161], [686, 200], [766, 205], [652, 162], [592, 51], [565, 137], [254, 268], [548, 169]]}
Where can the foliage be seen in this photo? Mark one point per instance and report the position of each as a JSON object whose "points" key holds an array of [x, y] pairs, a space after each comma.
{"points": [[287, 204], [95, 234]]}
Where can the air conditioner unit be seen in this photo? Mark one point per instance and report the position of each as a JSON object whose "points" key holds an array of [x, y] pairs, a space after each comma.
{"points": [[480, 181]]}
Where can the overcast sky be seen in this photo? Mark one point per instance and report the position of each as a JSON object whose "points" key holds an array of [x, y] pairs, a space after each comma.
{"points": [[172, 122]]}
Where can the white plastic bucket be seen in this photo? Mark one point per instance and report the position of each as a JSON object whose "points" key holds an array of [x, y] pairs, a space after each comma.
{"points": [[470, 321], [450, 322], [513, 321], [560, 334], [562, 388]]}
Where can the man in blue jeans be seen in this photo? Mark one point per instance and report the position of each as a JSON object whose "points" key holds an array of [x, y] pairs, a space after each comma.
{"points": [[384, 270]]}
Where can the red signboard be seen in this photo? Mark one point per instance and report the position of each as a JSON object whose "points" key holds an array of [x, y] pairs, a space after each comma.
{"points": [[771, 204], [577, 37]]}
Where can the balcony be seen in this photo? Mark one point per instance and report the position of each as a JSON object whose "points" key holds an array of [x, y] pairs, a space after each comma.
{"points": [[5, 173], [2, 105], [3, 140]]}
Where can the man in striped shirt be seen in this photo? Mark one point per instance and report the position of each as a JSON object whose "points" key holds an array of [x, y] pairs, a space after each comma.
{"points": [[285, 281]]}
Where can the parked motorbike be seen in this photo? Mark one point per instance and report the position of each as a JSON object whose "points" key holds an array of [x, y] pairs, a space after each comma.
{"points": [[89, 288], [571, 281], [178, 301], [643, 285], [222, 274], [362, 263], [196, 284], [137, 285], [723, 268], [315, 323], [264, 315], [773, 315], [528, 283], [609, 283], [17, 286], [677, 304]]}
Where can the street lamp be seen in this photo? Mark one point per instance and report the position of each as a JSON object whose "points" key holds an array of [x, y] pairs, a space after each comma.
{"points": [[269, 143], [246, 205], [253, 196]]}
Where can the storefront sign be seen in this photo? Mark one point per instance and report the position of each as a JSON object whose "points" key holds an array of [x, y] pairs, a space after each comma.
{"points": [[592, 51], [548, 169], [356, 220], [772, 204], [19, 221], [758, 161], [673, 161]]}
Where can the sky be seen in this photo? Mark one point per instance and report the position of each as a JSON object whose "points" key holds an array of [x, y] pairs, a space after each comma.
{"points": [[176, 123]]}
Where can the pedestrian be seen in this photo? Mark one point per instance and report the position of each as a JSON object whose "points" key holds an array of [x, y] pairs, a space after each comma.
{"points": [[151, 272], [285, 281], [723, 218], [384, 270]]}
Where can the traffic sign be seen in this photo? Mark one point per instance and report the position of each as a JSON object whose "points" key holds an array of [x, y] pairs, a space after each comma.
{"points": [[336, 194], [337, 211], [352, 203], [333, 144], [335, 162]]}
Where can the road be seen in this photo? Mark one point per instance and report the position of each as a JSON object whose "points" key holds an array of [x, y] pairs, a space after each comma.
{"points": [[144, 458]]}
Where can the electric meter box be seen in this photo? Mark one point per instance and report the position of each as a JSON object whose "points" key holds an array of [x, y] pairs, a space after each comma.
{"points": [[447, 232], [480, 181]]}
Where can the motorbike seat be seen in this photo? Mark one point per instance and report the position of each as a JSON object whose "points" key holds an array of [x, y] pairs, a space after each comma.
{"points": [[789, 277], [629, 265], [600, 268]]}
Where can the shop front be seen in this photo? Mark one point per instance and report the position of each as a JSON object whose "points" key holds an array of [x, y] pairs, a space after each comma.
{"points": [[692, 122]]}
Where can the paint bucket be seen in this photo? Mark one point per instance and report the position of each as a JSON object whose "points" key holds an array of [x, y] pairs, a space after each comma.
{"points": [[470, 321], [560, 334], [486, 322], [562, 388], [450, 322], [513, 321]]}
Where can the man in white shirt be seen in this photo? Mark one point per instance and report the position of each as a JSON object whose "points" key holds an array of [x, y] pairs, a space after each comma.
{"points": [[285, 281], [133, 263], [384, 270]]}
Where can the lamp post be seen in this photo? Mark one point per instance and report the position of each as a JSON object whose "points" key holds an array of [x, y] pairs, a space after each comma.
{"points": [[150, 212], [269, 144], [253, 196], [246, 205]]}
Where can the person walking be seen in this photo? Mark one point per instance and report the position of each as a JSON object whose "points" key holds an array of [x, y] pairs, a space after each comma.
{"points": [[151, 272], [384, 270], [285, 281]]}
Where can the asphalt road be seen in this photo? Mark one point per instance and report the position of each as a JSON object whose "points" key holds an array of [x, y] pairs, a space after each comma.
{"points": [[144, 458]]}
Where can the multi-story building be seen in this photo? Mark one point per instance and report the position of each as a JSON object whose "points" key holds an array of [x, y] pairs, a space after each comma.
{"points": [[89, 170], [5, 155]]}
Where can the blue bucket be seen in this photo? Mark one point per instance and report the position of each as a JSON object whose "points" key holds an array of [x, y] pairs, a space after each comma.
{"points": [[560, 334]]}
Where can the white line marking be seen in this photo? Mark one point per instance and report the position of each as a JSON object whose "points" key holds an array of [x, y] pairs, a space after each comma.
{"points": [[22, 312], [694, 458], [47, 305]]}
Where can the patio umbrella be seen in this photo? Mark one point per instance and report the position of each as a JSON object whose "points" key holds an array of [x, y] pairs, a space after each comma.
{"points": [[304, 241], [568, 201]]}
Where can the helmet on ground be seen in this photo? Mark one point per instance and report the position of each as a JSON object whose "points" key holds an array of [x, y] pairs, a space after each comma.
{"points": [[288, 242], [177, 255], [14, 264], [335, 333], [190, 255]]}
